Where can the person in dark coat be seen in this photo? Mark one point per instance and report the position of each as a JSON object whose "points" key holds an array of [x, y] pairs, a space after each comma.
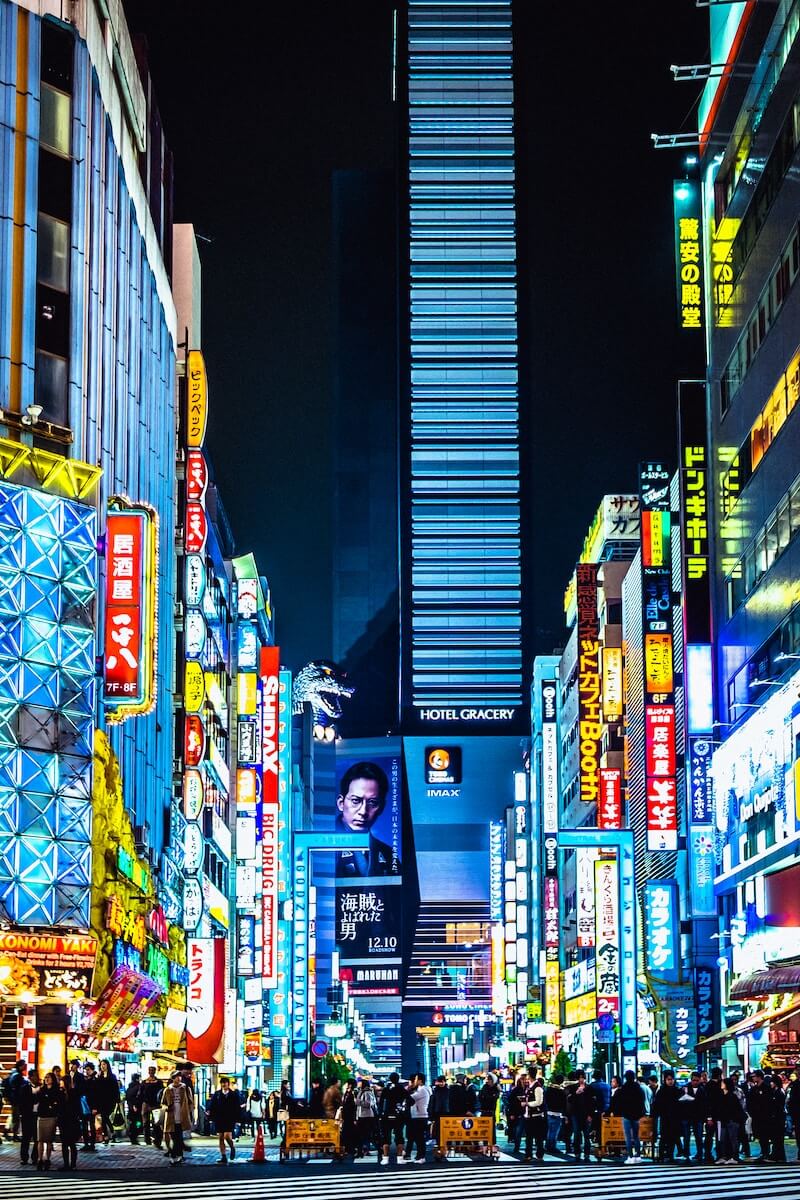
{"points": [[534, 1116], [462, 1098], [580, 1110], [349, 1118], [90, 1108], [107, 1097], [631, 1104], [666, 1108], [515, 1121], [224, 1109], [439, 1105], [555, 1102], [693, 1115], [26, 1099], [315, 1105], [70, 1126], [731, 1117], [133, 1108], [776, 1118]]}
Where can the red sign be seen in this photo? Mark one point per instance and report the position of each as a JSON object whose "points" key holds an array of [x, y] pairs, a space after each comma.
{"points": [[156, 922], [196, 477], [270, 808], [662, 814], [194, 741], [609, 807], [129, 621], [551, 922], [659, 722], [205, 999], [196, 530]]}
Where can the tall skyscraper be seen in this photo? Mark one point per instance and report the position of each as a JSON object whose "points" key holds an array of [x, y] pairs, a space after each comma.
{"points": [[460, 420]]}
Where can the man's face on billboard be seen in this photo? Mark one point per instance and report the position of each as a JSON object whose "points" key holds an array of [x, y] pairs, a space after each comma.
{"points": [[361, 806]]}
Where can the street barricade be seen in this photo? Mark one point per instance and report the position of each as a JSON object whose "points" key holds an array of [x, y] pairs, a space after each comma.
{"points": [[473, 1136], [612, 1137], [311, 1138]]}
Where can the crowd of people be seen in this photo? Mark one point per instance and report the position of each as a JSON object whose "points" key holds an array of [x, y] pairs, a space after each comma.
{"points": [[709, 1118]]}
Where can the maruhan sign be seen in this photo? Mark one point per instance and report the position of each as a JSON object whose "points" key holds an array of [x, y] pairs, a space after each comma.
{"points": [[467, 714]]}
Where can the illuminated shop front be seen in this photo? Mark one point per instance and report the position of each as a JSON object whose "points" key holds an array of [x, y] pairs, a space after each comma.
{"points": [[757, 832]]}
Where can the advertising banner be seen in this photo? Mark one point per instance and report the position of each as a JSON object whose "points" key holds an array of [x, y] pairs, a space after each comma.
{"points": [[270, 808], [205, 999], [549, 757], [589, 703], [607, 935], [369, 882], [609, 809], [48, 964], [130, 627], [662, 947]]}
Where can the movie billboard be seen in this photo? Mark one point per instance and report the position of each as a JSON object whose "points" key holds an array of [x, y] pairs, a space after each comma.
{"points": [[369, 799]]}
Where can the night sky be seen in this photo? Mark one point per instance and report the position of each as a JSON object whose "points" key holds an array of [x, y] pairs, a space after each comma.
{"points": [[258, 115]]}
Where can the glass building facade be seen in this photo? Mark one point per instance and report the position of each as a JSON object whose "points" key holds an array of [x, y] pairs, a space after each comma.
{"points": [[462, 579]]}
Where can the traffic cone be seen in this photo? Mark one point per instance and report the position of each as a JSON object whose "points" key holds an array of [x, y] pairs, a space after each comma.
{"points": [[258, 1148]]}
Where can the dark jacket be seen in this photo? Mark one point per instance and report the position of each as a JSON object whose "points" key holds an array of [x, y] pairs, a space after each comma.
{"points": [[667, 1104], [514, 1101], [133, 1096], [713, 1097], [581, 1101], [151, 1093], [393, 1102], [730, 1108], [439, 1105], [52, 1101], [487, 1099], [555, 1098], [630, 1100], [225, 1110], [106, 1093], [602, 1095], [462, 1100], [315, 1106], [793, 1099]]}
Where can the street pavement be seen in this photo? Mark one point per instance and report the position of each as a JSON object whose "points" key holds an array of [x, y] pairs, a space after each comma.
{"points": [[125, 1172]]}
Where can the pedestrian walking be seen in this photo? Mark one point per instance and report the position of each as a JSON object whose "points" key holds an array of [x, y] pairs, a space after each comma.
{"points": [[27, 1099], [515, 1120], [366, 1114], [393, 1113], [107, 1098], [49, 1107], [224, 1109], [315, 1106], [534, 1117], [272, 1106], [89, 1106], [133, 1108], [152, 1089], [631, 1105], [463, 1102], [177, 1115], [439, 1106], [666, 1110], [555, 1102], [70, 1126], [580, 1111], [730, 1117], [348, 1118], [11, 1090], [419, 1098]]}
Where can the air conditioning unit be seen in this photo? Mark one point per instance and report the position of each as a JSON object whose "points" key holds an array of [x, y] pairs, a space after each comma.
{"points": [[141, 837]]}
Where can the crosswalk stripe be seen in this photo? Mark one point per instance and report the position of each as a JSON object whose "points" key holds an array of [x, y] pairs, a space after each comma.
{"points": [[462, 1181]]}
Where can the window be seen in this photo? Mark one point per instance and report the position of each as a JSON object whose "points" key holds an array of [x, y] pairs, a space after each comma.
{"points": [[52, 266], [55, 115], [50, 387]]}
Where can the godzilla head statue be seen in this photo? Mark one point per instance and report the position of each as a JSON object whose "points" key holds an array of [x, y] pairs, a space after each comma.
{"points": [[322, 685]]}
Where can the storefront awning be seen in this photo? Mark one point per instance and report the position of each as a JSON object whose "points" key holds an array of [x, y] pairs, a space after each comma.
{"points": [[766, 983], [773, 1015]]}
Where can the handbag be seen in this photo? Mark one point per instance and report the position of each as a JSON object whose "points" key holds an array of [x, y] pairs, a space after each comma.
{"points": [[339, 1115], [85, 1109], [283, 1114], [118, 1118]]}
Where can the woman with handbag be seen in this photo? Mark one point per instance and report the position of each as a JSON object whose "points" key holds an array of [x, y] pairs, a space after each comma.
{"points": [[273, 1108], [107, 1096], [51, 1103]]}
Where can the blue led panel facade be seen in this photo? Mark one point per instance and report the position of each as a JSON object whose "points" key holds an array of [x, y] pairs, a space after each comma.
{"points": [[48, 584], [464, 596]]}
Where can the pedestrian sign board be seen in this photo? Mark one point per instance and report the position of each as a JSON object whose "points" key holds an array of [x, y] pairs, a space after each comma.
{"points": [[312, 1135], [465, 1134]]}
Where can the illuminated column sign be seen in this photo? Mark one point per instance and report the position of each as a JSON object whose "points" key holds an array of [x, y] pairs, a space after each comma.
{"points": [[130, 627], [497, 856], [659, 698], [270, 810], [300, 1013], [589, 707], [607, 935], [550, 907], [687, 211], [662, 950], [609, 808]]}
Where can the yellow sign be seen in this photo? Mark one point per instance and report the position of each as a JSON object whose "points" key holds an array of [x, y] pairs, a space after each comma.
{"points": [[454, 1131], [194, 687], [196, 400], [247, 694], [612, 683], [658, 662], [499, 993], [580, 1009], [316, 1134]]}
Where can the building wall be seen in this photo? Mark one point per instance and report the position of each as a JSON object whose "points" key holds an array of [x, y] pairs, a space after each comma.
{"points": [[99, 303]]}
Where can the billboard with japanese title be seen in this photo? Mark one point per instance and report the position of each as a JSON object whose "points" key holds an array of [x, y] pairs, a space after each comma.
{"points": [[130, 618], [590, 726]]}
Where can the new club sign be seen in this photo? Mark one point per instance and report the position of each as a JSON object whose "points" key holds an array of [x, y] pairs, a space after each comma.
{"points": [[130, 601]]}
